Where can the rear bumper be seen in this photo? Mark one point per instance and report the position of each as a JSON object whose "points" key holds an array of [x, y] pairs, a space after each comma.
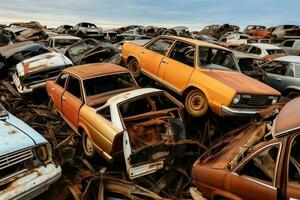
{"points": [[238, 112], [32, 184]]}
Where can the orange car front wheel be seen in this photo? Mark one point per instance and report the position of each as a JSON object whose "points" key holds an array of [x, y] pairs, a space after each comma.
{"points": [[134, 68], [196, 103]]}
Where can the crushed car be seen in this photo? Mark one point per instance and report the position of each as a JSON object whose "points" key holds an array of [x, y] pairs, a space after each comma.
{"points": [[258, 31], [203, 74], [217, 31], [257, 161], [11, 55], [283, 74], [60, 43], [26, 165], [92, 51], [87, 30], [286, 32], [33, 73], [103, 104], [64, 29]]}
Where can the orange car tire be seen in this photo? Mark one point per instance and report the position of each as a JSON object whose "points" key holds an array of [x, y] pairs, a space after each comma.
{"points": [[134, 67], [196, 103]]}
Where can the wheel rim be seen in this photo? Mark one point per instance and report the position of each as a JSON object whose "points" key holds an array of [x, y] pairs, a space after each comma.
{"points": [[134, 68], [197, 102], [88, 145]]}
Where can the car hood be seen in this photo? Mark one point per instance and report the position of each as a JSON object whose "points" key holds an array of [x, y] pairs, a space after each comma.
{"points": [[16, 135], [242, 84], [42, 62]]}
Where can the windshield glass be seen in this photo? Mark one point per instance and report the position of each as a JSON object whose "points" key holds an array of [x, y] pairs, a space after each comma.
{"points": [[108, 83], [219, 59]]}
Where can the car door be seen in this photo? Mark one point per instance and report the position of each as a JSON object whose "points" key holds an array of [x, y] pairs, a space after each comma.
{"points": [[57, 89], [275, 76], [72, 101], [255, 178], [152, 55], [293, 169], [287, 46], [177, 68]]}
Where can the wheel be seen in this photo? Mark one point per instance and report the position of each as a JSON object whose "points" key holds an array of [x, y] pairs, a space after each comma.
{"points": [[88, 147], [52, 107], [134, 68], [196, 103], [293, 95]]}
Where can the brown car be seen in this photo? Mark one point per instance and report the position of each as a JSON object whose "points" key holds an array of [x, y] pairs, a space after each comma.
{"points": [[258, 161]]}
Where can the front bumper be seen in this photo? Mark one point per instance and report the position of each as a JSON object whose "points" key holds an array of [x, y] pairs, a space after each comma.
{"points": [[28, 88], [238, 112], [32, 184]]}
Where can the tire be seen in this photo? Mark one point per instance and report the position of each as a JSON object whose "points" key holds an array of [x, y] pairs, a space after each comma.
{"points": [[196, 103], [88, 148], [293, 95], [52, 107], [134, 68]]}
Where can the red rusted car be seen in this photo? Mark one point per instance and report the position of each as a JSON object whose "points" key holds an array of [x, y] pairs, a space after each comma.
{"points": [[258, 161]]}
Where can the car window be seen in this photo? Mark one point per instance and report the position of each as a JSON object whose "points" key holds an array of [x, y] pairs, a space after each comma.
{"points": [[161, 46], [105, 112], [294, 161], [274, 51], [263, 165], [184, 53], [276, 67], [218, 59], [61, 80], [255, 50], [288, 43], [108, 83], [73, 87]]}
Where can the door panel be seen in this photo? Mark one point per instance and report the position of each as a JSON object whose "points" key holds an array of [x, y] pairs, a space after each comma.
{"points": [[150, 61], [293, 191], [57, 93], [71, 106]]}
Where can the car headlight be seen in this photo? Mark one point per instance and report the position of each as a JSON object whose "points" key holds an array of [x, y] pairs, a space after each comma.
{"points": [[236, 99], [274, 99], [42, 153]]}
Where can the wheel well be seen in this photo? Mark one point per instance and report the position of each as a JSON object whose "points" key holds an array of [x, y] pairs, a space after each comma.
{"points": [[187, 90], [130, 58], [287, 91]]}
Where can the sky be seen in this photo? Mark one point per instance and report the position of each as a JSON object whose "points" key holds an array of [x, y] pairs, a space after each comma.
{"points": [[194, 14]]}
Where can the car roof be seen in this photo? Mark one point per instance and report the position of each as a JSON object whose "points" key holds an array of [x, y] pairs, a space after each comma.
{"points": [[62, 36], [196, 42], [10, 49], [95, 69], [288, 118], [291, 59], [264, 46], [129, 95]]}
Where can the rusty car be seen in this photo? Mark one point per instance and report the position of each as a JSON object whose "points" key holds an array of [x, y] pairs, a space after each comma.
{"points": [[61, 42], [286, 32], [203, 74], [87, 30], [103, 104], [26, 165], [257, 161], [258, 31], [33, 73], [12, 54]]}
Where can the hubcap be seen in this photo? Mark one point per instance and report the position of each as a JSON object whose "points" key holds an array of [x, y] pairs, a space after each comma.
{"points": [[197, 102]]}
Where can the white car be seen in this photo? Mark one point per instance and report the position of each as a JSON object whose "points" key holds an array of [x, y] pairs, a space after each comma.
{"points": [[261, 49], [34, 72], [60, 43], [26, 165], [236, 38]]}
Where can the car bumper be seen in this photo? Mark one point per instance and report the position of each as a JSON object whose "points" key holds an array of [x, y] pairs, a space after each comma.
{"points": [[32, 184], [238, 112], [28, 88]]}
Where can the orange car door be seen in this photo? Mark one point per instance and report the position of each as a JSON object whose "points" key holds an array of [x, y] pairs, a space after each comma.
{"points": [[57, 89], [177, 68], [72, 101], [293, 172], [255, 179], [151, 56]]}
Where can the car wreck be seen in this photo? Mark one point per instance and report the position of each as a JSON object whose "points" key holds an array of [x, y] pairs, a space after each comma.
{"points": [[261, 158], [92, 51], [33, 73], [26, 163], [11, 55], [60, 43], [87, 30]]}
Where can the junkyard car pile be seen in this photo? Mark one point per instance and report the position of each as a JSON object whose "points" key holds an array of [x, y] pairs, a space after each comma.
{"points": [[149, 112]]}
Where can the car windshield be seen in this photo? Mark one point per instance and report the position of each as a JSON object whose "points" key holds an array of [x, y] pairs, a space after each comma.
{"points": [[81, 47], [219, 59], [274, 51], [65, 42], [103, 84], [87, 25]]}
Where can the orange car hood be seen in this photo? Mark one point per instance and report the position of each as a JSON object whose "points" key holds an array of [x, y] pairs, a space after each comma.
{"points": [[242, 84]]}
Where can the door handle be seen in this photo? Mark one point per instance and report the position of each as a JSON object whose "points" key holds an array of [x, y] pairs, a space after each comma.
{"points": [[143, 52], [165, 61], [64, 98], [278, 79]]}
